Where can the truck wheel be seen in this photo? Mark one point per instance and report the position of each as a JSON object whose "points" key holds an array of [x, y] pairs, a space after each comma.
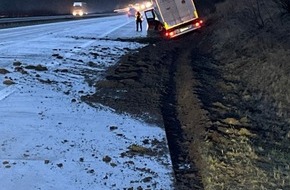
{"points": [[160, 28]]}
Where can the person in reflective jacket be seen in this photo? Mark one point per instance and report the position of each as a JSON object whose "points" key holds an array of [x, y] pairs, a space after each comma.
{"points": [[138, 21]]}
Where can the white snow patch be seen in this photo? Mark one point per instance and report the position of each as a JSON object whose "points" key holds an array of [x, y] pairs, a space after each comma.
{"points": [[50, 139]]}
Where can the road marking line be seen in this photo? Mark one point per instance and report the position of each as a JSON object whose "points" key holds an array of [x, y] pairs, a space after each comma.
{"points": [[114, 29], [87, 44], [4, 93]]}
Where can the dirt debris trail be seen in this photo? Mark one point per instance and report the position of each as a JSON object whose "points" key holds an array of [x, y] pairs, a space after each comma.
{"points": [[155, 84]]}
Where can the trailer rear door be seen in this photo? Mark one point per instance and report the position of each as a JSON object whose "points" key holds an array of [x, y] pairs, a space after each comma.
{"points": [[175, 12], [186, 9]]}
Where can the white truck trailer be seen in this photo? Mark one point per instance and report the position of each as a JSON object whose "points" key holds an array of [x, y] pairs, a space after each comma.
{"points": [[172, 18]]}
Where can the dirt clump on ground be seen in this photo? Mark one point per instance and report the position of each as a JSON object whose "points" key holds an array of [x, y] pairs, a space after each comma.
{"points": [[221, 93], [136, 83]]}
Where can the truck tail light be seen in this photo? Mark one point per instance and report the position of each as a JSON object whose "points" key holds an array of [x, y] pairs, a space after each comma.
{"points": [[198, 23], [169, 34]]}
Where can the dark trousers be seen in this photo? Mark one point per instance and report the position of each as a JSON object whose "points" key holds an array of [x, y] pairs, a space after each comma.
{"points": [[138, 23]]}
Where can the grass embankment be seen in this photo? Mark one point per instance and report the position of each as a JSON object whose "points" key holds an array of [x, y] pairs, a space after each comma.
{"points": [[246, 87]]}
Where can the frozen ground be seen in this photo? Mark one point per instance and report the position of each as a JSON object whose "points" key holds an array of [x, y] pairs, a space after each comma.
{"points": [[49, 138]]}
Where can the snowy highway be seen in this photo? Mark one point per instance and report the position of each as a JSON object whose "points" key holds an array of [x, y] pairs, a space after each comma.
{"points": [[49, 138]]}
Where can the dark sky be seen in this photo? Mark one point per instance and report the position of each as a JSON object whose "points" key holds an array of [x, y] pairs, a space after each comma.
{"points": [[56, 6]]}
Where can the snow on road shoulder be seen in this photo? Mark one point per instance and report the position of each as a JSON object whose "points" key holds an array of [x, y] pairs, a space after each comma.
{"points": [[49, 139]]}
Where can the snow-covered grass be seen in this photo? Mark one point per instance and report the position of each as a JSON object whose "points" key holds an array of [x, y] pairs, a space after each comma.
{"points": [[50, 139]]}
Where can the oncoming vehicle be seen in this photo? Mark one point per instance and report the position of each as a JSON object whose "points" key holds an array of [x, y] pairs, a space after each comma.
{"points": [[79, 9], [172, 18]]}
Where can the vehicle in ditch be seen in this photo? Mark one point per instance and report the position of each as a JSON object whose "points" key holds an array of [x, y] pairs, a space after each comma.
{"points": [[172, 18]]}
